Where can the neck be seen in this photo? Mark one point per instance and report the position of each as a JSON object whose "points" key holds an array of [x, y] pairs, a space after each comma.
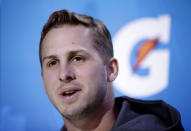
{"points": [[100, 120]]}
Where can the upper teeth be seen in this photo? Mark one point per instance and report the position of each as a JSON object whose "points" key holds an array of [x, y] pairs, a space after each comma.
{"points": [[68, 92]]}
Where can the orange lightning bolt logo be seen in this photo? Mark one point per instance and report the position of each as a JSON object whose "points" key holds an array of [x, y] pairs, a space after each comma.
{"points": [[143, 51]]}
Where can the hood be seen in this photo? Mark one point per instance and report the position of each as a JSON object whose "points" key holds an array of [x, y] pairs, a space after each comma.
{"points": [[141, 115]]}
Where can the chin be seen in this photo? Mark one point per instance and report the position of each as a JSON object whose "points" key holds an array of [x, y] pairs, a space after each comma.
{"points": [[74, 113]]}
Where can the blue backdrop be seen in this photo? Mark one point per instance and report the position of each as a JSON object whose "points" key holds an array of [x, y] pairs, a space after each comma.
{"points": [[24, 105]]}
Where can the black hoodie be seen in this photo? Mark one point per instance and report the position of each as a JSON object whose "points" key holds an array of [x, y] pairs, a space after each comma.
{"points": [[140, 115]]}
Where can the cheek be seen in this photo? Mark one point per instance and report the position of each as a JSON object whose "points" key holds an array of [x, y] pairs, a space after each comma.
{"points": [[49, 80], [92, 76], [50, 87], [89, 72]]}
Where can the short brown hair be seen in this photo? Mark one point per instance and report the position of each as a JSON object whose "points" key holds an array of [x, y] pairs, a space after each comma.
{"points": [[100, 33]]}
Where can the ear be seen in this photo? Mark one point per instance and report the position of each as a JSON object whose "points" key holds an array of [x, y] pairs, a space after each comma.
{"points": [[43, 81], [112, 69]]}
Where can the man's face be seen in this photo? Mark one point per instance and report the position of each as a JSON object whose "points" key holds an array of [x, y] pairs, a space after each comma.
{"points": [[74, 76]]}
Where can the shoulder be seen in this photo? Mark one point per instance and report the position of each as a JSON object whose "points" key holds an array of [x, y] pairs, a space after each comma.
{"points": [[140, 114]]}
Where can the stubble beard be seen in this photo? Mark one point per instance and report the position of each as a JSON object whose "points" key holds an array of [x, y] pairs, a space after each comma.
{"points": [[89, 109]]}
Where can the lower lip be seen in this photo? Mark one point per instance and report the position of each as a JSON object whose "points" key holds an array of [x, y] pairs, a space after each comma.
{"points": [[70, 98]]}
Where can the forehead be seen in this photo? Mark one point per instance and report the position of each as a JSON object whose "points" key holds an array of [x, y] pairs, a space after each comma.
{"points": [[66, 38], [67, 32]]}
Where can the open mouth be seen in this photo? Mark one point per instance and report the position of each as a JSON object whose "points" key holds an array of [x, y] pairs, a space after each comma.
{"points": [[70, 92]]}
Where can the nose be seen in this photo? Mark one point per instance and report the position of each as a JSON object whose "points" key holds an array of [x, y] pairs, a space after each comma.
{"points": [[66, 74]]}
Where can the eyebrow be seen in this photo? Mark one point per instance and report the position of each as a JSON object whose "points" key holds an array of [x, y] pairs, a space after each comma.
{"points": [[49, 57], [78, 51]]}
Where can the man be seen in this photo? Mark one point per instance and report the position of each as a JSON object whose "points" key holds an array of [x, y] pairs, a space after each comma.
{"points": [[78, 69]]}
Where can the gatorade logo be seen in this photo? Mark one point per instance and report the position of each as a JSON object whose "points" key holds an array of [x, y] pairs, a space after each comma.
{"points": [[142, 49]]}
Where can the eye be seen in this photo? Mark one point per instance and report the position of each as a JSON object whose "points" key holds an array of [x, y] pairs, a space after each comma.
{"points": [[52, 63], [78, 59]]}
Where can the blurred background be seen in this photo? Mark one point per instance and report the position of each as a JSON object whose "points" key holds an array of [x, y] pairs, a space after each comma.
{"points": [[163, 73]]}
